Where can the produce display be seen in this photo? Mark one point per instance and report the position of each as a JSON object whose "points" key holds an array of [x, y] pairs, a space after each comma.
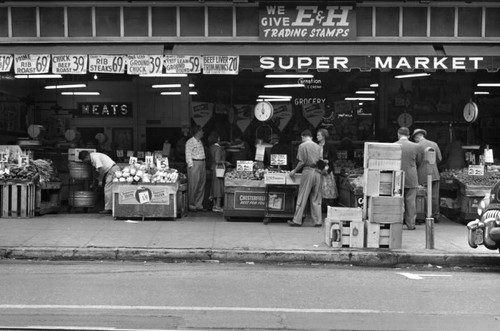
{"points": [[46, 170], [146, 173], [257, 173], [490, 178], [36, 170]]}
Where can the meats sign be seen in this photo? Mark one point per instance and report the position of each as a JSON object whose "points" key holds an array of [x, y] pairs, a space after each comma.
{"points": [[307, 22]]}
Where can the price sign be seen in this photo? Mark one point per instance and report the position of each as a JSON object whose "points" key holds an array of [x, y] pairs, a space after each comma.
{"points": [[23, 160], [69, 64], [30, 64], [220, 65], [4, 157], [488, 155], [244, 166], [132, 160], [144, 64], [476, 170], [342, 155], [149, 159], [162, 163], [112, 64], [119, 153], [278, 159], [140, 154], [6, 61], [130, 153], [182, 64], [143, 196]]}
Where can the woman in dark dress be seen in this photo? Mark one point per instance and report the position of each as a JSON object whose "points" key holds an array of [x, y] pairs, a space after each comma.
{"points": [[217, 160], [328, 185]]}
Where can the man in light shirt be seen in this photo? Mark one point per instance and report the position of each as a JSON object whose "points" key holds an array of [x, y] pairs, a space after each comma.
{"points": [[196, 172], [106, 168]]}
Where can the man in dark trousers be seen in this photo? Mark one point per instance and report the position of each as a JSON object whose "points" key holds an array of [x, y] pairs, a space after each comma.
{"points": [[308, 155], [410, 158], [419, 136]]}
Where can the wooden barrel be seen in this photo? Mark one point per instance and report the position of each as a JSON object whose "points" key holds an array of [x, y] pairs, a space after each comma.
{"points": [[82, 198], [80, 170]]}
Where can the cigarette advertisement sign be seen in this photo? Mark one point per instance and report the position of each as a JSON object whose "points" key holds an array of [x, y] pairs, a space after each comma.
{"points": [[70, 64], [307, 22], [136, 195], [257, 200]]}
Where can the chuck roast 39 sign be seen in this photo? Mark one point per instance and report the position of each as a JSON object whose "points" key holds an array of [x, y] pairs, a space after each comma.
{"points": [[308, 22]]}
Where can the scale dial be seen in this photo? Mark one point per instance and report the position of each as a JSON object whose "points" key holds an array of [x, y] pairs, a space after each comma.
{"points": [[470, 112], [405, 119], [263, 111]]}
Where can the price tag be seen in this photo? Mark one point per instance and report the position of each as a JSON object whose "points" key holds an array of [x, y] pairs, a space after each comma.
{"points": [[143, 196], [182, 64], [144, 64], [4, 157], [476, 170], [130, 153], [278, 159], [140, 154], [70, 64], [342, 155], [132, 160], [119, 153], [113, 64], [244, 165], [29, 64], [149, 159], [488, 155], [23, 160]]}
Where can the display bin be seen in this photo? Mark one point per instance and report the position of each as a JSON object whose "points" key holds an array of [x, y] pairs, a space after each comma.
{"points": [[48, 197], [147, 201], [244, 198], [17, 199]]}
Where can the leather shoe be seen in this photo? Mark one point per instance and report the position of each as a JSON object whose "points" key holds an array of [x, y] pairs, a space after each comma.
{"points": [[105, 211], [318, 225], [411, 228], [292, 223]]}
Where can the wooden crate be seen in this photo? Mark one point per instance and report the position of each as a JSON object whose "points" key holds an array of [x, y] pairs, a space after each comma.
{"points": [[344, 233], [384, 182], [382, 156], [48, 197], [18, 199], [383, 235], [385, 209]]}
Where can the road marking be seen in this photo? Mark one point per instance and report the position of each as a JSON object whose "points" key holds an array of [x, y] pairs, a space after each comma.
{"points": [[420, 276], [248, 309]]}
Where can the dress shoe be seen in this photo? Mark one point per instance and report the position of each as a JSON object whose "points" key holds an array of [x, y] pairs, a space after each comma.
{"points": [[318, 225], [105, 212], [410, 227], [292, 223]]}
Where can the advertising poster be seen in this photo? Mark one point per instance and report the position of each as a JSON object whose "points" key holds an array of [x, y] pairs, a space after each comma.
{"points": [[151, 194], [314, 113], [282, 115], [244, 116], [202, 112]]}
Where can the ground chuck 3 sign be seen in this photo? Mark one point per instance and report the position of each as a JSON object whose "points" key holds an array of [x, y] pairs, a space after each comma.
{"points": [[333, 22], [101, 109]]}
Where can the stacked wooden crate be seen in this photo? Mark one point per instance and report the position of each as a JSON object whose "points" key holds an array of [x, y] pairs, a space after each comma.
{"points": [[384, 195], [344, 227], [17, 199]]}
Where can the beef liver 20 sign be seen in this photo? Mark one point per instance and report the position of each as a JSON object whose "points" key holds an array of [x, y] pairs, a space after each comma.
{"points": [[333, 22]]}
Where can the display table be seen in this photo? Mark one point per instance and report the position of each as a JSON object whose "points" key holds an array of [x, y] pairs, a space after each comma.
{"points": [[146, 200], [253, 198], [469, 197]]}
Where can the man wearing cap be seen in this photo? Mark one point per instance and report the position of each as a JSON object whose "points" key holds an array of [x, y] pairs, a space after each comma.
{"points": [[308, 155], [419, 136], [410, 158]]}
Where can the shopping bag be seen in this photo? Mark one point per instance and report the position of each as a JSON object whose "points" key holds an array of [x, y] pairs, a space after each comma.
{"points": [[220, 170]]}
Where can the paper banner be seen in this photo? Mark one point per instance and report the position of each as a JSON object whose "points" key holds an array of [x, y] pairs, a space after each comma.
{"points": [[182, 64], [220, 65], [144, 64], [202, 112], [282, 115], [6, 61], [113, 64], [30, 64], [75, 64], [313, 113], [244, 116]]}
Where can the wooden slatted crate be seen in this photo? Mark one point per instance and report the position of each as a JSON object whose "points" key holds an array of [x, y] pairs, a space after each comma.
{"points": [[384, 182], [380, 235], [18, 199], [385, 209], [344, 227]]}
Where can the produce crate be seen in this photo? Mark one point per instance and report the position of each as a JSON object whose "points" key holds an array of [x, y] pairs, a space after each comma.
{"points": [[382, 156], [344, 233], [385, 209], [145, 201], [48, 197], [18, 199], [384, 182], [382, 235], [468, 207]]}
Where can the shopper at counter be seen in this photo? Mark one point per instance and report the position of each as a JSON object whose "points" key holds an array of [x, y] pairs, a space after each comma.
{"points": [[217, 159], [419, 136], [328, 186], [410, 157], [196, 172], [308, 155], [106, 168]]}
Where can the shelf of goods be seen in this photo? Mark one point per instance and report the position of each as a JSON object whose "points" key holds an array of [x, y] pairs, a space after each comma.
{"points": [[148, 200], [246, 198]]}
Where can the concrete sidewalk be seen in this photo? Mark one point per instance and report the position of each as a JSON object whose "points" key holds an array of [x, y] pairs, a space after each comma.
{"points": [[207, 236]]}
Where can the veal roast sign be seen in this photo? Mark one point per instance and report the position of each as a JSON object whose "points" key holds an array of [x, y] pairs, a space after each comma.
{"points": [[104, 109], [307, 22]]}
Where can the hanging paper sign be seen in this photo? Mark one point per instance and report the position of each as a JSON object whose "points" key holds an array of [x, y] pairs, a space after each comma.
{"points": [[144, 64], [202, 112], [69, 64], [488, 155], [182, 64], [132, 160], [244, 116], [220, 65], [6, 61], [282, 115], [244, 165], [30, 64], [112, 64], [313, 113]]}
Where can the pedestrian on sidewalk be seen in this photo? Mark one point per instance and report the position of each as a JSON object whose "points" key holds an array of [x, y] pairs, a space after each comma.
{"points": [[106, 168], [410, 157], [196, 172], [217, 161], [420, 137], [329, 154], [308, 155]]}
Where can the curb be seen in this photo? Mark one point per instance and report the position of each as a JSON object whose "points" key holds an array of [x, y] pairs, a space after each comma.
{"points": [[372, 258]]}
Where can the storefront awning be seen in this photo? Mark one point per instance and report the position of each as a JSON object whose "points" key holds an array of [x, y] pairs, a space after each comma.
{"points": [[134, 49]]}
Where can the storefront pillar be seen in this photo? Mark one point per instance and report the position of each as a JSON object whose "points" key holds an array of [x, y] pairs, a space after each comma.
{"points": [[382, 113]]}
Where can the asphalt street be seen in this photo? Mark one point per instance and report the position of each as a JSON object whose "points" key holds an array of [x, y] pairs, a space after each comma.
{"points": [[237, 296]]}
